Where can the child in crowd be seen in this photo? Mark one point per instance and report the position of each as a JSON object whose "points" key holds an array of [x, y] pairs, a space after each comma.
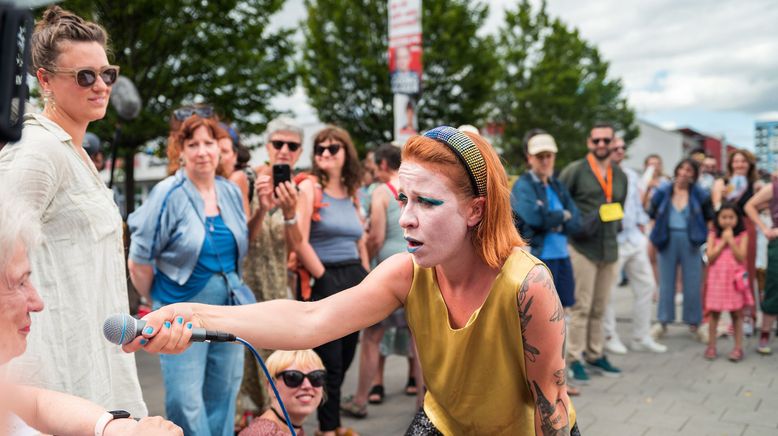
{"points": [[728, 288]]}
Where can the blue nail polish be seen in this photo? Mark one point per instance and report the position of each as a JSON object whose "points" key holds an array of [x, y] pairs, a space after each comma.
{"points": [[149, 330], [167, 324], [180, 319], [144, 341], [189, 325]]}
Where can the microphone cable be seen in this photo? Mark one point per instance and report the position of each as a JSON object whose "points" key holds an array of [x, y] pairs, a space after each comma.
{"points": [[269, 380]]}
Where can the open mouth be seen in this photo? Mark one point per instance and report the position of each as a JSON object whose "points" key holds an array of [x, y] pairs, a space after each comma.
{"points": [[413, 244]]}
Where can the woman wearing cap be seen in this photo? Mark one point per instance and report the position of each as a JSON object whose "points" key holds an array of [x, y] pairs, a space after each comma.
{"points": [[485, 314], [546, 213], [79, 266]]}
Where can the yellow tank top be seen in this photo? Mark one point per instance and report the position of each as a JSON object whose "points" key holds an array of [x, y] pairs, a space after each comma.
{"points": [[475, 375]]}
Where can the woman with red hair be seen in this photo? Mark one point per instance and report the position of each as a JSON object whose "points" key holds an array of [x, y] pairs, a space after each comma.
{"points": [[486, 317]]}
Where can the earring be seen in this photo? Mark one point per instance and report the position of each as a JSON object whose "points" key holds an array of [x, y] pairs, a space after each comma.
{"points": [[48, 100], [181, 161]]}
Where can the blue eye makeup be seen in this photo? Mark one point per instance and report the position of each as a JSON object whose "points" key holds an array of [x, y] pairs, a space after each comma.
{"points": [[430, 201], [402, 198]]}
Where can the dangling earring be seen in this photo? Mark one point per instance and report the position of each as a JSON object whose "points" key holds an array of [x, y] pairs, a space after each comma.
{"points": [[181, 161], [48, 100]]}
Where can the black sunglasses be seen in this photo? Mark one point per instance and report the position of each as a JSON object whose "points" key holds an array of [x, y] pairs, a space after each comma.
{"points": [[294, 378], [605, 141], [185, 112], [86, 77], [318, 150], [293, 146]]}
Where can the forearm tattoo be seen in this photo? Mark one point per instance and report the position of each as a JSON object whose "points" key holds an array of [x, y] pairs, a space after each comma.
{"points": [[536, 275], [553, 417]]}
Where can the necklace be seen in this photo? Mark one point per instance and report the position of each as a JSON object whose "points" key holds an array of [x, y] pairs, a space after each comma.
{"points": [[282, 419], [210, 223]]}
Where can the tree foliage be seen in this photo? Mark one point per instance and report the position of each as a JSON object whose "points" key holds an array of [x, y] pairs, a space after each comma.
{"points": [[554, 80], [223, 52], [345, 65]]}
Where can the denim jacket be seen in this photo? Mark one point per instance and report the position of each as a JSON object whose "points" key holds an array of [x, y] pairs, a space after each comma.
{"points": [[529, 202], [168, 232], [700, 212]]}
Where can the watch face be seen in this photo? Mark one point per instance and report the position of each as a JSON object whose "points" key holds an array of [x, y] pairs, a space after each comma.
{"points": [[119, 414]]}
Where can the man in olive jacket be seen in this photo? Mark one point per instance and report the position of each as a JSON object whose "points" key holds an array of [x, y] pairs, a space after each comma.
{"points": [[599, 190]]}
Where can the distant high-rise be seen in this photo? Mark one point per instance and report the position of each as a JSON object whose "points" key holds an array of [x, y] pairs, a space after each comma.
{"points": [[766, 145]]}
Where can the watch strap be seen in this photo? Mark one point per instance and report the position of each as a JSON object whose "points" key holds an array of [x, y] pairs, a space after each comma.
{"points": [[107, 417]]}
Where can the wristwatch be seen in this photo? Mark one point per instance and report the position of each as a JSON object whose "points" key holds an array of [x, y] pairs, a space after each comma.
{"points": [[291, 221], [107, 417]]}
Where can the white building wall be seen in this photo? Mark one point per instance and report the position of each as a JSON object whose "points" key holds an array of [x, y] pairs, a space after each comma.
{"points": [[654, 140]]}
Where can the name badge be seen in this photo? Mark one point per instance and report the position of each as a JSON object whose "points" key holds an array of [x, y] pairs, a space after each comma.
{"points": [[611, 212]]}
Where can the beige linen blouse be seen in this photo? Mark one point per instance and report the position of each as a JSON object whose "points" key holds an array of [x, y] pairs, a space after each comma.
{"points": [[78, 269]]}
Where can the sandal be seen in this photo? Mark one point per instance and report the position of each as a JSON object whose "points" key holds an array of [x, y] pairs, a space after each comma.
{"points": [[350, 408], [736, 355], [376, 395], [410, 387], [710, 352]]}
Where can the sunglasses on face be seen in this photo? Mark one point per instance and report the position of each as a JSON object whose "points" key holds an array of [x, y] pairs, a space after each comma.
{"points": [[185, 112], [293, 146], [605, 141], [293, 378], [318, 150], [86, 77]]}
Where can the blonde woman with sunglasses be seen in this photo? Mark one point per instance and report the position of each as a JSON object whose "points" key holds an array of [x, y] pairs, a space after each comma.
{"points": [[79, 267]]}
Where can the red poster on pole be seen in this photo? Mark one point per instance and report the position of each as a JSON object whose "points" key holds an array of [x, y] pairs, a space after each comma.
{"points": [[405, 64]]}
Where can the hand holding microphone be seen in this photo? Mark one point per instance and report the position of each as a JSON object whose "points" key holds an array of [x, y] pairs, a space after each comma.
{"points": [[168, 330]]}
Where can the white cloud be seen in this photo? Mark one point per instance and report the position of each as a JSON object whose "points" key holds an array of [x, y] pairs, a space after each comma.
{"points": [[715, 54]]}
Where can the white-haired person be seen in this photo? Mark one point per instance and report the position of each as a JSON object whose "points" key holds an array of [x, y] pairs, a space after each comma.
{"points": [[299, 377], [27, 410], [484, 313]]}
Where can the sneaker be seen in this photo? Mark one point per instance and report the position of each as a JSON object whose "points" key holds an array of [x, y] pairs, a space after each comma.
{"points": [[647, 344], [578, 373], [605, 367], [658, 330], [763, 348], [615, 346]]}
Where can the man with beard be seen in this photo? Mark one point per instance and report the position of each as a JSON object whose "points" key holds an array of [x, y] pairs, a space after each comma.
{"points": [[599, 190]]}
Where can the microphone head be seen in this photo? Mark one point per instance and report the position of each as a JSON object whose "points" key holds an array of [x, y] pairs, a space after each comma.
{"points": [[125, 99], [120, 328]]}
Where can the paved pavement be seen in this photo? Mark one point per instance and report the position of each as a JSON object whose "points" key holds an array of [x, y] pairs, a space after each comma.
{"points": [[678, 392]]}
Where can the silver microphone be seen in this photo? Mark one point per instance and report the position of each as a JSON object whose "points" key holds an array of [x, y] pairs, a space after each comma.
{"points": [[121, 329]]}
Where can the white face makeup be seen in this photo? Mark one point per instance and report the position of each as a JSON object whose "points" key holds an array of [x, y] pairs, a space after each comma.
{"points": [[434, 223]]}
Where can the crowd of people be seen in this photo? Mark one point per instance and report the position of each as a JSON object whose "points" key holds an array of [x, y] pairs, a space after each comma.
{"points": [[599, 224], [422, 250]]}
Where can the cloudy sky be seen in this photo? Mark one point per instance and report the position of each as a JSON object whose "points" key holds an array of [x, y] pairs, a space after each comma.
{"points": [[708, 64]]}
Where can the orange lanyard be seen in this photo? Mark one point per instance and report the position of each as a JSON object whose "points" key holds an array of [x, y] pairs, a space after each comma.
{"points": [[606, 185]]}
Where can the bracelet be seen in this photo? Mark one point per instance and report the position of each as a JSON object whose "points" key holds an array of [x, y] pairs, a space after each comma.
{"points": [[291, 221]]}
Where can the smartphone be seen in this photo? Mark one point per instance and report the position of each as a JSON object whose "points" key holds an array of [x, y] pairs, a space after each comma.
{"points": [[281, 173]]}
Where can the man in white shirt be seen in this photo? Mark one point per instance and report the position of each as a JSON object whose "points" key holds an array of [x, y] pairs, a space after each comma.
{"points": [[633, 260]]}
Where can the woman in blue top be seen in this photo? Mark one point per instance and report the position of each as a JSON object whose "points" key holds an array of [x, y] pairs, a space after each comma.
{"points": [[546, 212], [188, 240], [680, 210], [333, 249]]}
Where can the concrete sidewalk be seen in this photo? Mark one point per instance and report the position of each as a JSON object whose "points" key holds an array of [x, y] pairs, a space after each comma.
{"points": [[678, 392]]}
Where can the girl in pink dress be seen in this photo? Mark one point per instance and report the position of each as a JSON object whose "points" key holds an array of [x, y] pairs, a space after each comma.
{"points": [[727, 284]]}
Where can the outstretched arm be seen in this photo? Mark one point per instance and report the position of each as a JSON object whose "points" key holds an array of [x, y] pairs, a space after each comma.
{"points": [[543, 338], [285, 324]]}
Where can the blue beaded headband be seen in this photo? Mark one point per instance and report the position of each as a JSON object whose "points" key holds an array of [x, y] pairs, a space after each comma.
{"points": [[467, 152]]}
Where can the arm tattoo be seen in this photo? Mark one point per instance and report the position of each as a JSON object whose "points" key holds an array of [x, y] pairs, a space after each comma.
{"points": [[559, 377], [530, 352], [553, 418]]}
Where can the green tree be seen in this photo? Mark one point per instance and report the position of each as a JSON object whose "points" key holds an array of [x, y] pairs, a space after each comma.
{"points": [[554, 80], [224, 52], [345, 65]]}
